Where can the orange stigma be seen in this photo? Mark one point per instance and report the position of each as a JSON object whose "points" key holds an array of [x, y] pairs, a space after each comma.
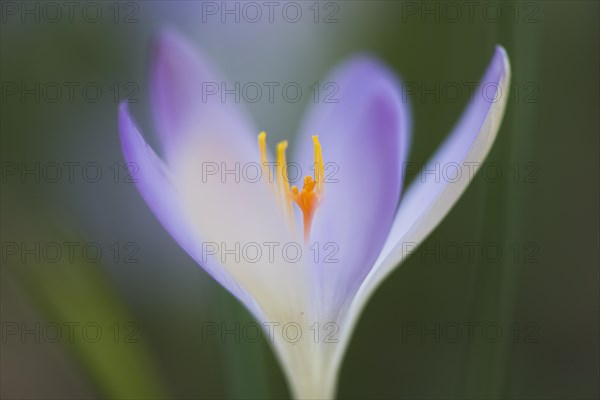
{"points": [[311, 195]]}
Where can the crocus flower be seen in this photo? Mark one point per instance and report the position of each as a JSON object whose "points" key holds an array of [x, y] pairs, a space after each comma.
{"points": [[350, 229]]}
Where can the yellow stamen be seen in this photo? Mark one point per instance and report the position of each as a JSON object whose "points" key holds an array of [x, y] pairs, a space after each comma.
{"points": [[319, 166], [311, 195], [283, 183], [264, 159]]}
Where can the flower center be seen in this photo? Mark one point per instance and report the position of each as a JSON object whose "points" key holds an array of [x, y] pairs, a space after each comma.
{"points": [[312, 193]]}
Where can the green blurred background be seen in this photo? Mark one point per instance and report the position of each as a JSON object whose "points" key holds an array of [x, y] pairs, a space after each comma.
{"points": [[542, 213]]}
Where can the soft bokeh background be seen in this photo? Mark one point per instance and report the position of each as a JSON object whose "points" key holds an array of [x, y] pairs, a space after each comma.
{"points": [[542, 212]]}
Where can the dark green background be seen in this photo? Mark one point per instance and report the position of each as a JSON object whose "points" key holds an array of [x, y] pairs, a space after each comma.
{"points": [[551, 125]]}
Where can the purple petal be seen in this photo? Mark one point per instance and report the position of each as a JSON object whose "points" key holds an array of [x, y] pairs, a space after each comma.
{"points": [[187, 103], [365, 138], [156, 187], [428, 200]]}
